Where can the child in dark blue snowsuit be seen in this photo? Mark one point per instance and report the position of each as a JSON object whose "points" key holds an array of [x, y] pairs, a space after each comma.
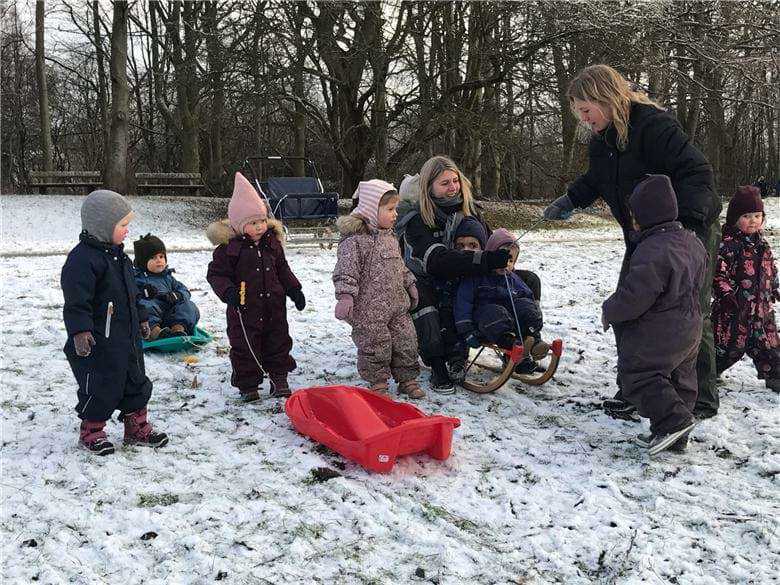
{"points": [[490, 307], [105, 324], [167, 301]]}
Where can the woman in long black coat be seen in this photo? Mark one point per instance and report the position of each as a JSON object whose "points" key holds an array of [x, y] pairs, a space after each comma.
{"points": [[632, 137]]}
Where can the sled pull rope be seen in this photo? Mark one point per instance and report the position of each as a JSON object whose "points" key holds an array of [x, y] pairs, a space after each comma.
{"points": [[512, 302], [242, 301]]}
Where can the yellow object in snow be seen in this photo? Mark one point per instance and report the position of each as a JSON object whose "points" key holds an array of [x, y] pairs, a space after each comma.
{"points": [[190, 360]]}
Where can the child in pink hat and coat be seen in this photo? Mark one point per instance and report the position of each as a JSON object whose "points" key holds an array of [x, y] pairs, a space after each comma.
{"points": [[375, 291], [249, 253]]}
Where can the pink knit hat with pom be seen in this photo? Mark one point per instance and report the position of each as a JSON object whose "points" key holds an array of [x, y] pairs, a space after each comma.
{"points": [[500, 237], [369, 193], [245, 205]]}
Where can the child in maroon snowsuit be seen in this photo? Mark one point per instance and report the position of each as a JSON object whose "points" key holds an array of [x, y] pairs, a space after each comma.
{"points": [[375, 291], [249, 273], [744, 289], [657, 317]]}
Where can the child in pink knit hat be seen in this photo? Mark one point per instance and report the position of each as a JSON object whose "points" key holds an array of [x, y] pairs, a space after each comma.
{"points": [[250, 274], [376, 291]]}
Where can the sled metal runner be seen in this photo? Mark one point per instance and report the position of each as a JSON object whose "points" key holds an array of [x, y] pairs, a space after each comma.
{"points": [[504, 365]]}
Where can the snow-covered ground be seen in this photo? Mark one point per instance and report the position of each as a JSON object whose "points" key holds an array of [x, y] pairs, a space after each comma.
{"points": [[541, 486]]}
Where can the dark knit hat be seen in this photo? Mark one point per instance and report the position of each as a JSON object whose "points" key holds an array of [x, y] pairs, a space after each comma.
{"points": [[145, 248], [653, 201], [470, 226], [747, 199]]}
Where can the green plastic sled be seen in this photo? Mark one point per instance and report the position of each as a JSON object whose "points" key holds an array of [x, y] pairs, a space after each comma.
{"points": [[171, 344]]}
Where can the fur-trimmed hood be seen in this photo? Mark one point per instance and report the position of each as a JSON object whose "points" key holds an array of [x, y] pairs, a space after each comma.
{"points": [[349, 225], [220, 232]]}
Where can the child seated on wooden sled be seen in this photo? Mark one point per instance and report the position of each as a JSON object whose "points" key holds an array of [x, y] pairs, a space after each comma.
{"points": [[500, 308], [375, 291], [657, 318], [168, 302], [250, 274]]}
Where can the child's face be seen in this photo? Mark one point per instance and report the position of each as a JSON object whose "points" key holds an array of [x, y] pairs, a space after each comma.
{"points": [[157, 263], [446, 185], [256, 228], [387, 214], [591, 114], [510, 265], [750, 223], [467, 244], [121, 229]]}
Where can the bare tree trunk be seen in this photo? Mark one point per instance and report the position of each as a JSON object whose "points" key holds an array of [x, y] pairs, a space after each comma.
{"points": [[216, 78], [100, 57], [43, 91], [115, 174]]}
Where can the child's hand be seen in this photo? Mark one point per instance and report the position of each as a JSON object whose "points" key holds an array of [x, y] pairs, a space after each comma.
{"points": [[84, 343], [496, 259], [170, 297], [296, 296], [146, 331], [232, 298], [414, 296], [149, 291], [344, 308]]}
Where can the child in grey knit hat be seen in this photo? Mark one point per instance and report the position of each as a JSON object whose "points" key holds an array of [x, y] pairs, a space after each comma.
{"points": [[105, 323]]}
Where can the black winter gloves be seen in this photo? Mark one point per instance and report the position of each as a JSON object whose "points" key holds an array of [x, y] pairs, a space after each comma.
{"points": [[561, 208], [149, 291], [296, 296], [495, 259], [170, 297], [232, 298]]}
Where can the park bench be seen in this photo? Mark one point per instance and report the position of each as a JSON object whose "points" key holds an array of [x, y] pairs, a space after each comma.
{"points": [[86, 181]]}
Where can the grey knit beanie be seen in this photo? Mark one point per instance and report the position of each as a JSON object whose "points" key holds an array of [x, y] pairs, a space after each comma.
{"points": [[101, 211]]}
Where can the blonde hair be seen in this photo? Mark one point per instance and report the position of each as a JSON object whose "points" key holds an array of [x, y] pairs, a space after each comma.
{"points": [[612, 92], [432, 168]]}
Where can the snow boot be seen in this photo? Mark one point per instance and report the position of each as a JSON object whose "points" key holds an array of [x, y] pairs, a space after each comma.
{"points": [[506, 340], [380, 387], [249, 395], [662, 441], [536, 348], [679, 446], [178, 330], [440, 378], [93, 438], [456, 370], [528, 366], [619, 408], [412, 389], [155, 332], [279, 386], [138, 431]]}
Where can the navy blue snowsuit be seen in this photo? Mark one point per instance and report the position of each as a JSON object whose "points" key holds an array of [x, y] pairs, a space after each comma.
{"points": [[113, 376], [162, 313], [483, 305]]}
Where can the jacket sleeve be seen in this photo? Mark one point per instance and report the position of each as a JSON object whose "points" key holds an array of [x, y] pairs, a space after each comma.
{"points": [[78, 281], [464, 307], [437, 260], [347, 272], [285, 273], [666, 149], [220, 274], [178, 287], [582, 191], [724, 281], [645, 282]]}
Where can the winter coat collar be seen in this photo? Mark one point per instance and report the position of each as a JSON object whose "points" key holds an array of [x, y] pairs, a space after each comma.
{"points": [[733, 232], [146, 273], [667, 226], [93, 242], [220, 232]]}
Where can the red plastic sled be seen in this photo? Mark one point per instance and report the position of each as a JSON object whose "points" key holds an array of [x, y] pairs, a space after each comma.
{"points": [[368, 428]]}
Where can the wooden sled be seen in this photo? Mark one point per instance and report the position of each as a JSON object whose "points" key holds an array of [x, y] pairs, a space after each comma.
{"points": [[501, 364]]}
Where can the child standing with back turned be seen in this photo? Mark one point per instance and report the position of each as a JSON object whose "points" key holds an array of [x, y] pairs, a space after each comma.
{"points": [[375, 291]]}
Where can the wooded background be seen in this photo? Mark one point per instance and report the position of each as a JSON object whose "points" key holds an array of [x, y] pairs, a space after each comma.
{"points": [[372, 89]]}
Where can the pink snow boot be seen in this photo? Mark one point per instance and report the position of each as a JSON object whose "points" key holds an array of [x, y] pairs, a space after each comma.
{"points": [[93, 437], [138, 431]]}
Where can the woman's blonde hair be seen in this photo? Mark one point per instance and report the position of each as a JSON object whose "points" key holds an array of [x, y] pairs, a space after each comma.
{"points": [[432, 168], [612, 92]]}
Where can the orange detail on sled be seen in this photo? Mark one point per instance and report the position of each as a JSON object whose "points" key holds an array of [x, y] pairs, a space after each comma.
{"points": [[368, 428]]}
